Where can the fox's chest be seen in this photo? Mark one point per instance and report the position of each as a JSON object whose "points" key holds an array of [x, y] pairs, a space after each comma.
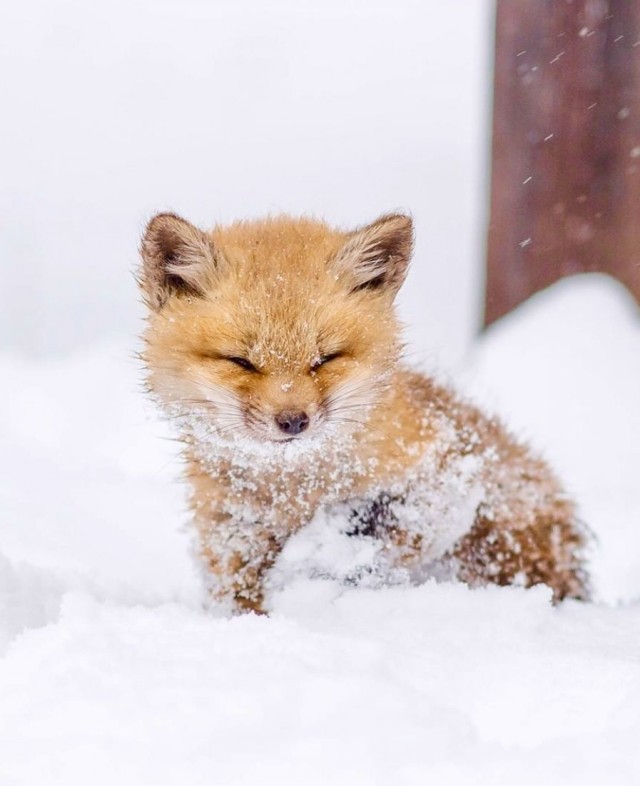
{"points": [[375, 493], [330, 480], [387, 534]]}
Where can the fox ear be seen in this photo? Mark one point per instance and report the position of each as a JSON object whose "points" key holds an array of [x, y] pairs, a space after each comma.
{"points": [[376, 257], [177, 258]]}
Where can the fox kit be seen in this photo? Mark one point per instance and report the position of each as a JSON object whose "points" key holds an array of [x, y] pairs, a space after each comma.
{"points": [[276, 347]]}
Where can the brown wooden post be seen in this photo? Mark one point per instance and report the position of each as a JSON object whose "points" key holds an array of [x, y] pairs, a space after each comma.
{"points": [[565, 186]]}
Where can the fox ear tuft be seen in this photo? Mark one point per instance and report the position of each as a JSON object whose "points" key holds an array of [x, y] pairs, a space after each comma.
{"points": [[177, 258], [376, 257]]}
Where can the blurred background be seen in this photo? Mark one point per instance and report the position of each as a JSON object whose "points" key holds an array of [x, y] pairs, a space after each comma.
{"points": [[343, 109]]}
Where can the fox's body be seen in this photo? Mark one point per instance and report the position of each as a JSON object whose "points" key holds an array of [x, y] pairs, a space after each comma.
{"points": [[276, 347]]}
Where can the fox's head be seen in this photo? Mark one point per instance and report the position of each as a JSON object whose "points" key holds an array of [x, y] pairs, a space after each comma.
{"points": [[273, 330]]}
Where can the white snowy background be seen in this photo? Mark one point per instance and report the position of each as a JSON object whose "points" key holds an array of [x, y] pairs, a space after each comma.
{"points": [[110, 672]]}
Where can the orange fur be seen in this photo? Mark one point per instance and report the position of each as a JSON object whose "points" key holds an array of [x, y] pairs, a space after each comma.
{"points": [[258, 320]]}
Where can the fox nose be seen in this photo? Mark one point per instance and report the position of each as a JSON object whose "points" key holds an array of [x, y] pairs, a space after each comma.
{"points": [[292, 422]]}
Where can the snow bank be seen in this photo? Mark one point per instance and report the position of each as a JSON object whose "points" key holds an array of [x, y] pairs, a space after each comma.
{"points": [[564, 370], [111, 672], [393, 687]]}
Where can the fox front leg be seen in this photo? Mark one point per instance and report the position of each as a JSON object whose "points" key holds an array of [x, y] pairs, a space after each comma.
{"points": [[236, 555]]}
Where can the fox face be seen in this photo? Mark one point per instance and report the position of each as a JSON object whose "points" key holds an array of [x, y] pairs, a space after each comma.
{"points": [[276, 330]]}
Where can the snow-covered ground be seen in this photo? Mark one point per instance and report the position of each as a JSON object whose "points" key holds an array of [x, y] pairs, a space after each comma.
{"points": [[110, 672]]}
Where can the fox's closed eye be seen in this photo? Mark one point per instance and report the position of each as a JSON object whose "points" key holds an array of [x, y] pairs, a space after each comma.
{"points": [[324, 359], [247, 365]]}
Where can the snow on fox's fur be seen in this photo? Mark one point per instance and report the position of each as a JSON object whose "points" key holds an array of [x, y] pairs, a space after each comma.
{"points": [[275, 346]]}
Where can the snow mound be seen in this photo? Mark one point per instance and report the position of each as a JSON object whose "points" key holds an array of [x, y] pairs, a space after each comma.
{"points": [[110, 672], [564, 371]]}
